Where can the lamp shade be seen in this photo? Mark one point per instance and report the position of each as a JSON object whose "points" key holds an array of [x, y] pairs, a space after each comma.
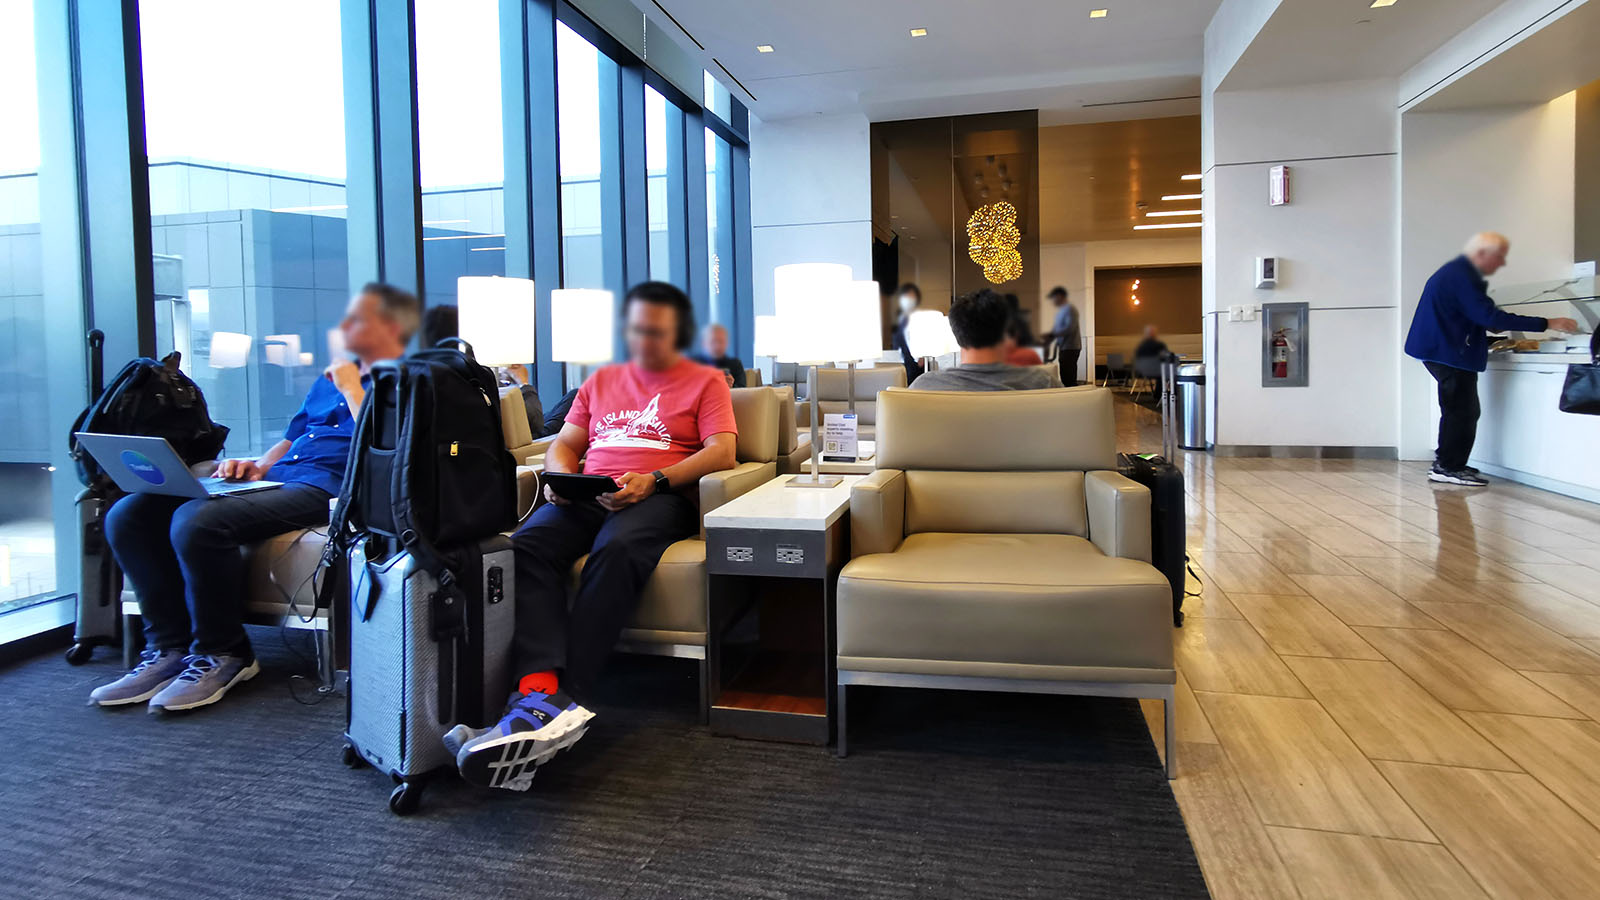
{"points": [[282, 349], [928, 334], [230, 349], [861, 320], [582, 324], [497, 318], [769, 333], [808, 298]]}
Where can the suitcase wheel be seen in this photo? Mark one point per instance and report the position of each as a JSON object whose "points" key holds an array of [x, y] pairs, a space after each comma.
{"points": [[405, 798], [349, 756], [78, 654]]}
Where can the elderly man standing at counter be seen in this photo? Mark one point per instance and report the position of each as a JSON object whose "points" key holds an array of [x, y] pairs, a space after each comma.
{"points": [[1449, 335]]}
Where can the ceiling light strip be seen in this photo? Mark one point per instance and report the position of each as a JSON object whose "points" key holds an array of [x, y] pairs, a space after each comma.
{"points": [[1172, 212], [1167, 225]]}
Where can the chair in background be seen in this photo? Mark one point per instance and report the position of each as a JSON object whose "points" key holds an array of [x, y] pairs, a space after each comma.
{"points": [[1146, 375], [752, 378], [833, 394], [1017, 559], [1116, 370]]}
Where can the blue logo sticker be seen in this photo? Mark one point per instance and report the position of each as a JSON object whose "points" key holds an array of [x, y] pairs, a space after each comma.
{"points": [[140, 465]]}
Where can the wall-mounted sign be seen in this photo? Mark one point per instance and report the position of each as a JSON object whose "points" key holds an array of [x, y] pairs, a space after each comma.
{"points": [[1278, 185]]}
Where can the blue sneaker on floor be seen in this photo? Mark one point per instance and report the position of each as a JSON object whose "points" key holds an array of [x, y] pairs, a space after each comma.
{"points": [[535, 728], [204, 681]]}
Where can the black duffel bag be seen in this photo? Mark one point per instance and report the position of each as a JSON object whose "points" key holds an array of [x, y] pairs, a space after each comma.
{"points": [[155, 399], [1581, 393]]}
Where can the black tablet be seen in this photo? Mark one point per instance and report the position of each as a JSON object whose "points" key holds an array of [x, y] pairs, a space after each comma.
{"points": [[580, 487]]}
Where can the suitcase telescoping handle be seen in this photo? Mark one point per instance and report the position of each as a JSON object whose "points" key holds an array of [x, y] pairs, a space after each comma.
{"points": [[449, 342], [97, 365]]}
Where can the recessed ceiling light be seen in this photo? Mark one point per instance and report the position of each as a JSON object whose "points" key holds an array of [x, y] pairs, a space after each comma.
{"points": [[919, 32], [1380, 4], [1182, 196], [1167, 225], [763, 48], [1097, 13], [1191, 177], [1173, 212]]}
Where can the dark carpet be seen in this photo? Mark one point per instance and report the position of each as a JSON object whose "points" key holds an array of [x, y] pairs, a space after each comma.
{"points": [[943, 795]]}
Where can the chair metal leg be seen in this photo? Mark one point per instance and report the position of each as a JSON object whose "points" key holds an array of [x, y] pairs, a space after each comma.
{"points": [[705, 692], [132, 640], [841, 749], [325, 661], [1169, 715]]}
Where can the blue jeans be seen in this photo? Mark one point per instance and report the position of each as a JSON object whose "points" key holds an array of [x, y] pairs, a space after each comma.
{"points": [[182, 558]]}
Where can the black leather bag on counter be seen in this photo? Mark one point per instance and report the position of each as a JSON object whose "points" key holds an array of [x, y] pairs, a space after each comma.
{"points": [[1581, 393]]}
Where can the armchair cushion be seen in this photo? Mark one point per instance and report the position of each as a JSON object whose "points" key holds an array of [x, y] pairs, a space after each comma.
{"points": [[756, 411], [1119, 515], [995, 502], [878, 512], [672, 607], [1045, 606]]}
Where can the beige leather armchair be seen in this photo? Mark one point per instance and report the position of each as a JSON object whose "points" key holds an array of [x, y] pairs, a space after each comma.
{"points": [[670, 619], [996, 548], [794, 451], [833, 394]]}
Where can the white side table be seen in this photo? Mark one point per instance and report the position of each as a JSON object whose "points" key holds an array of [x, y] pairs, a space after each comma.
{"points": [[772, 559]]}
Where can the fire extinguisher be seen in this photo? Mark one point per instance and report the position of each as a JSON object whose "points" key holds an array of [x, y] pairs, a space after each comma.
{"points": [[1280, 354]]}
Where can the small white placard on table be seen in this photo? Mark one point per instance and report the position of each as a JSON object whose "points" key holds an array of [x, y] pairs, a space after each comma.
{"points": [[839, 437]]}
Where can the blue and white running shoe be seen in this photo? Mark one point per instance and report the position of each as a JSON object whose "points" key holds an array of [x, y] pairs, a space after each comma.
{"points": [[534, 729]]}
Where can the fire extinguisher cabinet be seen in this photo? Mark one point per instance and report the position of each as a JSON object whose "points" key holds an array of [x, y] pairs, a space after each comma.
{"points": [[1283, 344]]}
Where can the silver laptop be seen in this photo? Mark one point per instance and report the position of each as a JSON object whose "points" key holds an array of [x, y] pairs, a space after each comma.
{"points": [[149, 465]]}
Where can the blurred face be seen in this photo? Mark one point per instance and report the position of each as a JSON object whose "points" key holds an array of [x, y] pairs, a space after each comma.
{"points": [[367, 332], [715, 341], [1489, 260], [908, 303], [1058, 299], [651, 331]]}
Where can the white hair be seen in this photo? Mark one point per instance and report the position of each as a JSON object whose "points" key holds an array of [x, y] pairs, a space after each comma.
{"points": [[1486, 240]]}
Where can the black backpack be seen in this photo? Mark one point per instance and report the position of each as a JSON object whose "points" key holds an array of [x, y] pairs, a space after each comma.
{"points": [[154, 399], [428, 467]]}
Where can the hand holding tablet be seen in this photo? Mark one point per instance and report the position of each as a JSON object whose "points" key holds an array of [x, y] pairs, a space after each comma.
{"points": [[573, 487]]}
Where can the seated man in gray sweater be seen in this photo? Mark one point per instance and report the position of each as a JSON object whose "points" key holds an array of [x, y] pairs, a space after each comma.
{"points": [[979, 321]]}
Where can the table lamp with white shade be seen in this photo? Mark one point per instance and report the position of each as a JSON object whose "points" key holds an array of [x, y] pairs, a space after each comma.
{"points": [[582, 326], [811, 304], [928, 335], [862, 322], [498, 319]]}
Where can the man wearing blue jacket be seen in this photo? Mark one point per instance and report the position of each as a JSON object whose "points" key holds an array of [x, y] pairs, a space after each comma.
{"points": [[1449, 335]]}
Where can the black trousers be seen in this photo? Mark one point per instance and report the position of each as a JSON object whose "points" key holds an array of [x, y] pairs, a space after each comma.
{"points": [[1458, 414], [182, 558], [1069, 366], [623, 549]]}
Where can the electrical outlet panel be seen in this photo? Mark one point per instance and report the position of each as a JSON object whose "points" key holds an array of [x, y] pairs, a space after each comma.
{"points": [[791, 555], [741, 554]]}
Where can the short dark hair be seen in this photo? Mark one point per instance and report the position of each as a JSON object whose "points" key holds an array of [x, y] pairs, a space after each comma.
{"points": [[910, 288], [979, 319], [440, 322], [1057, 291], [666, 295], [400, 305]]}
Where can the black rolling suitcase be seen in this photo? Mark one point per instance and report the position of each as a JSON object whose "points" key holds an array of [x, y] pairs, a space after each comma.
{"points": [[428, 488], [1167, 548]]}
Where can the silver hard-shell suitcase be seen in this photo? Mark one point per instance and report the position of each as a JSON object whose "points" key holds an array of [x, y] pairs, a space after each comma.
{"points": [[411, 678], [99, 619]]}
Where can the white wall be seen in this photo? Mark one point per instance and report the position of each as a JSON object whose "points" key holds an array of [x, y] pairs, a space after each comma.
{"points": [[810, 196], [1337, 245], [1506, 169], [1072, 266]]}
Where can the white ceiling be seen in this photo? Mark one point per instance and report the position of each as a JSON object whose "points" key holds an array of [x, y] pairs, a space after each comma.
{"points": [[836, 56], [1540, 66], [1319, 41]]}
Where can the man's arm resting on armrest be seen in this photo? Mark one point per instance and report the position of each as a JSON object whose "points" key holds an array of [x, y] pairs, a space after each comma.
{"points": [[1119, 515], [878, 512]]}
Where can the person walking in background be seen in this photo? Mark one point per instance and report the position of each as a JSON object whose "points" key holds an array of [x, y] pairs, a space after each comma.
{"points": [[910, 298], [1449, 335], [1067, 336], [714, 353]]}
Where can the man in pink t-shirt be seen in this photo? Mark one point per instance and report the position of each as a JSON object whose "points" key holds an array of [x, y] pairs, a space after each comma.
{"points": [[655, 425]]}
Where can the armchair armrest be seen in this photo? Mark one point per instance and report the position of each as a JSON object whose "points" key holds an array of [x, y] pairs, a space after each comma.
{"points": [[527, 490], [878, 513], [1119, 515], [718, 488]]}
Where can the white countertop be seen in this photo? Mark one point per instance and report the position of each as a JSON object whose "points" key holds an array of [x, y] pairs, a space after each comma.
{"points": [[775, 505]]}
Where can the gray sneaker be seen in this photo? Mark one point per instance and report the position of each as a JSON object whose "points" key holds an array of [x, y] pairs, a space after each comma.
{"points": [[203, 682], [155, 670]]}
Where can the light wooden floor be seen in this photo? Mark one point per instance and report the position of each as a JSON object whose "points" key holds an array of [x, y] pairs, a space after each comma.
{"points": [[1387, 688]]}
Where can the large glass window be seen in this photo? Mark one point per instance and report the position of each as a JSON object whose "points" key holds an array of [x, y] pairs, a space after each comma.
{"points": [[27, 536], [719, 226], [460, 142], [665, 225], [581, 73], [244, 120]]}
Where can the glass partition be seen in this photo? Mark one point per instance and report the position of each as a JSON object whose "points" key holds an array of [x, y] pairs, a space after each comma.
{"points": [[1572, 298], [665, 225], [581, 73]]}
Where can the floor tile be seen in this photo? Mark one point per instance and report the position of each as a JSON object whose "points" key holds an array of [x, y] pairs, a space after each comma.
{"points": [[1461, 676], [1297, 624], [1390, 717], [1564, 754], [1300, 557], [1300, 769], [1248, 573], [1582, 692], [1237, 857], [1515, 640], [1458, 564], [1251, 524], [1516, 838], [1299, 513], [1551, 607], [1385, 527], [1358, 600], [1192, 725], [1228, 655], [1412, 580], [1208, 600], [1580, 581], [1344, 540], [1328, 866]]}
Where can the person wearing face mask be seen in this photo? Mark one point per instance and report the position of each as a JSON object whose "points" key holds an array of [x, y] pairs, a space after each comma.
{"points": [[910, 298]]}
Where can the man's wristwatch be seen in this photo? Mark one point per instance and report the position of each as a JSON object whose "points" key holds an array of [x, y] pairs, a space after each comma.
{"points": [[662, 485]]}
